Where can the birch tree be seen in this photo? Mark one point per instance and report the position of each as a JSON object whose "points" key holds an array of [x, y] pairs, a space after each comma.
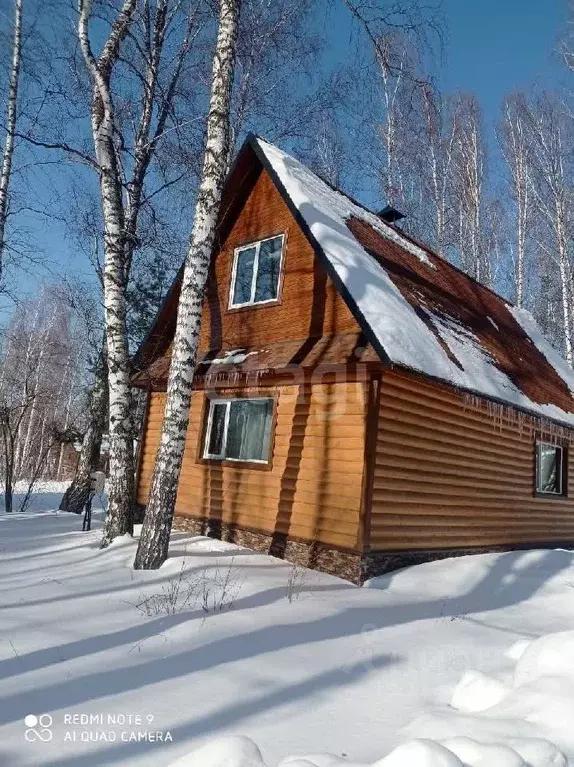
{"points": [[134, 81], [517, 154], [41, 389], [154, 541], [438, 129], [567, 45], [100, 68], [74, 296], [11, 114], [326, 154], [275, 47], [469, 176], [395, 67], [76, 495], [550, 133], [401, 37], [391, 98]]}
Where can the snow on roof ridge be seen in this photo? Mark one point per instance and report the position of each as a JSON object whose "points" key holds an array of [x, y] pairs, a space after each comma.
{"points": [[531, 329], [396, 329], [357, 209]]}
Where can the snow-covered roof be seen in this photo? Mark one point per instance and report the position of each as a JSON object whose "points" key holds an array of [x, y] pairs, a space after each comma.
{"points": [[421, 312]]}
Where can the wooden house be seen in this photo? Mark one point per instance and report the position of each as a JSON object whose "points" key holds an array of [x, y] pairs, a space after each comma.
{"points": [[360, 403]]}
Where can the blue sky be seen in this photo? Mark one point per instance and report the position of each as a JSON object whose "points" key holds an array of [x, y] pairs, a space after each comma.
{"points": [[492, 47]]}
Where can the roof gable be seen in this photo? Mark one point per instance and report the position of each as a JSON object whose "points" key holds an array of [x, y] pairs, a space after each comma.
{"points": [[309, 305], [416, 309]]}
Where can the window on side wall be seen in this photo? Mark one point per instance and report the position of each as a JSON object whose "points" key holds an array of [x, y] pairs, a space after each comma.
{"points": [[551, 469], [256, 272], [239, 430]]}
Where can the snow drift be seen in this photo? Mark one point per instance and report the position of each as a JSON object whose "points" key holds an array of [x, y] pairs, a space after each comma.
{"points": [[538, 701]]}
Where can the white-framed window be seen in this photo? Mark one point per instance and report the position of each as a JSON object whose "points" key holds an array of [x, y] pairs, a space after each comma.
{"points": [[256, 271], [239, 429], [550, 469]]}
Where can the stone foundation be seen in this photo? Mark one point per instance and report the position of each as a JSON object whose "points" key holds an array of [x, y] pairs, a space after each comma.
{"points": [[317, 556], [380, 562], [349, 565]]}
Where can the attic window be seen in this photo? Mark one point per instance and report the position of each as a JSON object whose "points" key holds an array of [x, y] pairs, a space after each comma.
{"points": [[550, 469], [256, 270]]}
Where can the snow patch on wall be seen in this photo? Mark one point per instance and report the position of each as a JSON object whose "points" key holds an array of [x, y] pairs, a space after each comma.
{"points": [[232, 357]]}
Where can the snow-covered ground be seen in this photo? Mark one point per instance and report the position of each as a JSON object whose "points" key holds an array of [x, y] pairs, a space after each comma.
{"points": [[101, 665], [45, 495]]}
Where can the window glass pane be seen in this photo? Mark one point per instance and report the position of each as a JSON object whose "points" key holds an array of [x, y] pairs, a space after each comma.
{"points": [[243, 276], [549, 469], [215, 437], [249, 430], [268, 270]]}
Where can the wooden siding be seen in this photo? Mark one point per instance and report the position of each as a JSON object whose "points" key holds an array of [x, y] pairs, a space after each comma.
{"points": [[309, 304], [449, 474], [314, 487]]}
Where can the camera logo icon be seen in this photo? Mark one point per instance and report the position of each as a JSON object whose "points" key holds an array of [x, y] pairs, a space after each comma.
{"points": [[38, 728]]}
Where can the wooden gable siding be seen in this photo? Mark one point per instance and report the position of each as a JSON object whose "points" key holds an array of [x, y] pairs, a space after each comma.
{"points": [[313, 490], [447, 474], [309, 305]]}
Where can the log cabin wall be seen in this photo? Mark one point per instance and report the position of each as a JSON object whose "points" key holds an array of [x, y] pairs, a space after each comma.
{"points": [[309, 304], [313, 490], [449, 474]]}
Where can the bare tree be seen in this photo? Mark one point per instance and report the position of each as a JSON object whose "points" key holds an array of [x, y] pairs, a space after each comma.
{"points": [[103, 118], [326, 153], [396, 65], [550, 141], [11, 113], [402, 38], [468, 186], [74, 295], [134, 81], [517, 154], [567, 45], [421, 22], [437, 132], [41, 390], [275, 47], [154, 541]]}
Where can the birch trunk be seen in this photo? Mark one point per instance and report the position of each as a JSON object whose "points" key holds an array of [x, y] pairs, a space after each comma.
{"points": [[517, 153], [76, 495], [21, 465], [154, 541], [550, 190], [28, 360], [10, 127], [121, 463], [565, 280], [522, 201]]}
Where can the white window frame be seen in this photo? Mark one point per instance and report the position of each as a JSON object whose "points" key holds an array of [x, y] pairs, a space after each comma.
{"points": [[560, 449], [207, 436], [257, 245]]}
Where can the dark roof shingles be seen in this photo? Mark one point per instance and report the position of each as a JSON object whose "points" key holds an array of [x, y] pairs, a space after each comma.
{"points": [[447, 292]]}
